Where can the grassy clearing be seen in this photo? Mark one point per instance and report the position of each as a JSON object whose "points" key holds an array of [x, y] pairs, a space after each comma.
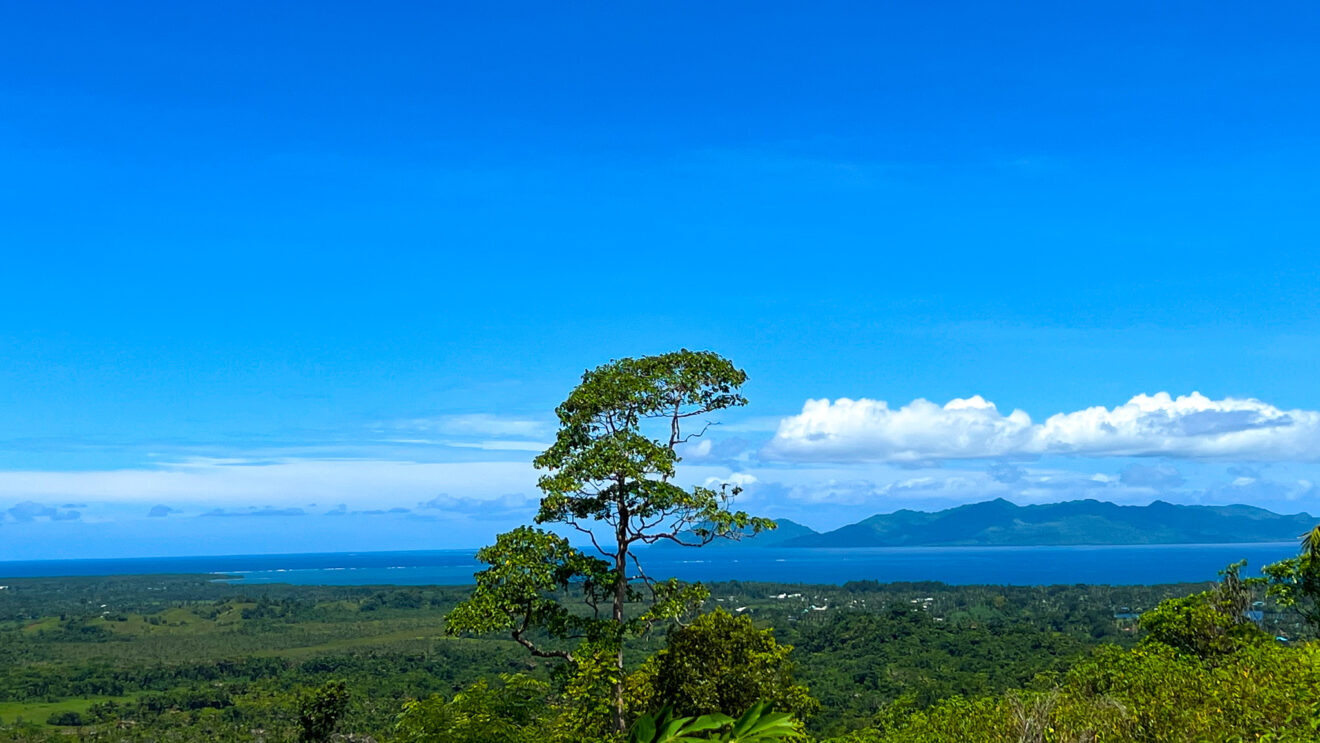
{"points": [[38, 712], [183, 635]]}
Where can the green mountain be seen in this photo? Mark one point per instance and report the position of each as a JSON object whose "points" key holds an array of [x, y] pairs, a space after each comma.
{"points": [[786, 531], [999, 522]]}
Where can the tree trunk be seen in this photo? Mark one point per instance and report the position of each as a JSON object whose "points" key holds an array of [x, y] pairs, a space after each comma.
{"points": [[620, 598]]}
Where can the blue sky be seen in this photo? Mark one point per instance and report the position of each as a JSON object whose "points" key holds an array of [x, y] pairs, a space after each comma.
{"points": [[265, 259]]}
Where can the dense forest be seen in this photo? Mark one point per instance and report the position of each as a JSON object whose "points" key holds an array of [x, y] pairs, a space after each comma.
{"points": [[183, 658]]}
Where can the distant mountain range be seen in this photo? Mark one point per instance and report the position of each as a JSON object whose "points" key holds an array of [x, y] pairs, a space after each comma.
{"points": [[1001, 523]]}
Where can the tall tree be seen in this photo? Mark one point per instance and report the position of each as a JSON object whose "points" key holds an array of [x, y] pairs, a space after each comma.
{"points": [[611, 476]]}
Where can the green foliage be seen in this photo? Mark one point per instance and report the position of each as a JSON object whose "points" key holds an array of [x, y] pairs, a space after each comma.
{"points": [[188, 659], [720, 663], [857, 662], [1295, 582], [319, 711], [1206, 624], [757, 725], [609, 476], [587, 704], [66, 718], [518, 592], [1165, 694], [607, 465], [513, 711], [1147, 695]]}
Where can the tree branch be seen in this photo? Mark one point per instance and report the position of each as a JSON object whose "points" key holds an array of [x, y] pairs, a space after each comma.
{"points": [[590, 534], [531, 648], [653, 538]]}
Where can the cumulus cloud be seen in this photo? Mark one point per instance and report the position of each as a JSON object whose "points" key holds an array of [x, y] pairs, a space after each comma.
{"points": [[342, 510], [737, 480], [1005, 473], [29, 511], [715, 450], [439, 502], [1190, 426], [1158, 476], [870, 430], [1242, 470]]}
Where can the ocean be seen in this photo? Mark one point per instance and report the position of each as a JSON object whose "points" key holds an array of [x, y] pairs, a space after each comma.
{"points": [[1115, 565]]}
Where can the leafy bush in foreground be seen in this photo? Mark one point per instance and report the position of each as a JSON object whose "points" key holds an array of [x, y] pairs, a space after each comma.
{"points": [[1154, 693], [757, 725]]}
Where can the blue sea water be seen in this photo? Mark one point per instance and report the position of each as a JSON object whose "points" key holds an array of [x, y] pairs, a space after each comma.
{"points": [[1117, 565]]}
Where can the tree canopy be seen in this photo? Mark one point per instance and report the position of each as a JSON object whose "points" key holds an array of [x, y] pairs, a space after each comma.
{"points": [[611, 476], [1295, 582], [721, 663]]}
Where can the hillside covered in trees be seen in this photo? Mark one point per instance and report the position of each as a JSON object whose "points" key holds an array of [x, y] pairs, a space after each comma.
{"points": [[182, 658], [1084, 522]]}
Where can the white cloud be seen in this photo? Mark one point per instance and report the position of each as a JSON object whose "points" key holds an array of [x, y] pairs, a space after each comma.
{"points": [[290, 482], [870, 430], [737, 479], [476, 424], [710, 450], [1191, 426], [488, 445], [471, 431], [498, 445]]}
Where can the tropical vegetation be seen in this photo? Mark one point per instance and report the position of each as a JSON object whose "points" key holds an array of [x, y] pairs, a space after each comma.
{"points": [[561, 643]]}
